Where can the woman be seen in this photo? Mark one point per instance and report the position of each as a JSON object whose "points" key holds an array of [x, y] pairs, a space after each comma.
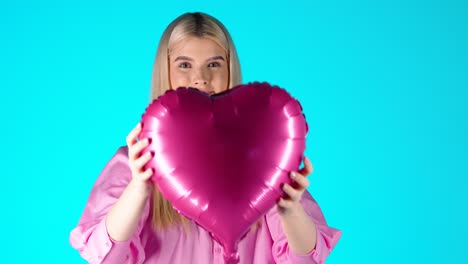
{"points": [[127, 220]]}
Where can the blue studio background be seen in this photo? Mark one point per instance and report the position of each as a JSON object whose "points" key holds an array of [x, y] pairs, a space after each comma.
{"points": [[383, 85]]}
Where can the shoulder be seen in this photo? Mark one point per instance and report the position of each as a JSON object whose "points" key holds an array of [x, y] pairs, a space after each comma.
{"points": [[120, 156], [123, 151], [116, 168]]}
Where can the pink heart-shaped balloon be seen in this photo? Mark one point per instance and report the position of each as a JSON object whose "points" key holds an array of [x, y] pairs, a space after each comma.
{"points": [[221, 160]]}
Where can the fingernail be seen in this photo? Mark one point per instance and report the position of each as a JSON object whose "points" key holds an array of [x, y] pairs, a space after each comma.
{"points": [[293, 174]]}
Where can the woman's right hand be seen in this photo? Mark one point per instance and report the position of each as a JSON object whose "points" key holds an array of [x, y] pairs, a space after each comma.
{"points": [[123, 217], [140, 177]]}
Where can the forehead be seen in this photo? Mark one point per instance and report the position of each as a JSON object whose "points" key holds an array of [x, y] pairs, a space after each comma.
{"points": [[196, 47]]}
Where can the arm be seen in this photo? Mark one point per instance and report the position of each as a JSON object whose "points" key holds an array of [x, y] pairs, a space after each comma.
{"points": [[90, 237], [123, 217], [117, 209], [325, 237], [301, 229]]}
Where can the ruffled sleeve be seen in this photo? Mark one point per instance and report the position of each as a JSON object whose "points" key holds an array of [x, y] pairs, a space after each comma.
{"points": [[90, 236], [327, 237]]}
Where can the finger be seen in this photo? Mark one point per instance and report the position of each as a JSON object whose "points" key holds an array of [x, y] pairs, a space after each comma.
{"points": [[141, 161], [147, 174], [301, 180], [135, 150], [294, 195], [307, 169], [132, 136], [285, 203]]}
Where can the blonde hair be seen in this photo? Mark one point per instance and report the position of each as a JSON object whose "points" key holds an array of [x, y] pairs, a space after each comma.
{"points": [[187, 25]]}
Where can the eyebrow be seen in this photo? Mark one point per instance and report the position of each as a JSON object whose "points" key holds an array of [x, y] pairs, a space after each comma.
{"points": [[190, 59]]}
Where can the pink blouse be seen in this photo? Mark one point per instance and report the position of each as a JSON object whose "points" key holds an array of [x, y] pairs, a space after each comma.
{"points": [[267, 244]]}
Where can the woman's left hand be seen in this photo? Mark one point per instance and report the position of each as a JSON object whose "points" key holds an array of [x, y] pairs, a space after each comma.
{"points": [[290, 204]]}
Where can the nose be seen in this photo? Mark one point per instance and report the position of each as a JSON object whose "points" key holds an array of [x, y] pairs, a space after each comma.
{"points": [[202, 85], [200, 80]]}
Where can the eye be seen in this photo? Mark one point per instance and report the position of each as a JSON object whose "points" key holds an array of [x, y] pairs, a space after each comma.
{"points": [[214, 64], [184, 65]]}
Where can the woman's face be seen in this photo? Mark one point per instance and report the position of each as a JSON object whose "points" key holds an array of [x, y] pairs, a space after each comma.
{"points": [[200, 63]]}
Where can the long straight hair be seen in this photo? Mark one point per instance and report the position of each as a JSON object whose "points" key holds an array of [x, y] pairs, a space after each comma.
{"points": [[187, 25]]}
